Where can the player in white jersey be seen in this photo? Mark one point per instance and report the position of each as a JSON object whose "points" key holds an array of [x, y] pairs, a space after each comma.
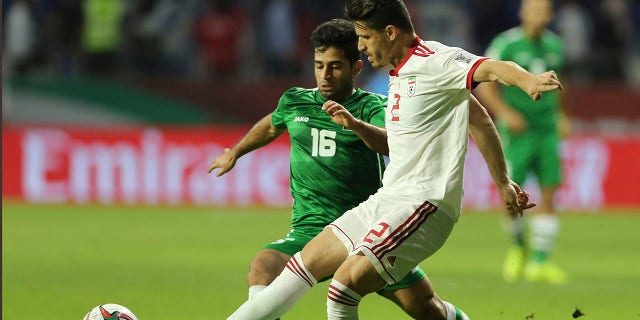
{"points": [[412, 215]]}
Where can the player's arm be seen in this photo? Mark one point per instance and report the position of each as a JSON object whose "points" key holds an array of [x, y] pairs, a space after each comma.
{"points": [[374, 137], [261, 134], [485, 135], [511, 74]]}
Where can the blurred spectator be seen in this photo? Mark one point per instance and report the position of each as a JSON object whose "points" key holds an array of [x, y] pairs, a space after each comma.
{"points": [[614, 38], [446, 21], [278, 34], [20, 51], [160, 36], [218, 34], [101, 38], [65, 24], [253, 39], [491, 17], [574, 26]]}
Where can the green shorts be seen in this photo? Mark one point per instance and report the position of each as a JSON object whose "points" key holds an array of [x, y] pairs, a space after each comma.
{"points": [[295, 240], [533, 152]]}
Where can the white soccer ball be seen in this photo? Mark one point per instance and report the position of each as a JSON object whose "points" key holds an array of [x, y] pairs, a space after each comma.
{"points": [[110, 311]]}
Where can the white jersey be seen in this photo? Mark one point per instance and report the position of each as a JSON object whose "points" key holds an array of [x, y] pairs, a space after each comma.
{"points": [[427, 122]]}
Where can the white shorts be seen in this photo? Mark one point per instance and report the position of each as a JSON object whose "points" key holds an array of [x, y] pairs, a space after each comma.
{"points": [[395, 232]]}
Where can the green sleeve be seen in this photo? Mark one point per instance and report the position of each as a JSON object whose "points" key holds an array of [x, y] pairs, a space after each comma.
{"points": [[277, 117]]}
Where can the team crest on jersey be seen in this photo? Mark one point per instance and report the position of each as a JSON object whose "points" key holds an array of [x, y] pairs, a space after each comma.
{"points": [[463, 58], [411, 86]]}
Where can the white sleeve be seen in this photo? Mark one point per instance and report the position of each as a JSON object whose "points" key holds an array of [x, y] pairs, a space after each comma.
{"points": [[455, 68]]}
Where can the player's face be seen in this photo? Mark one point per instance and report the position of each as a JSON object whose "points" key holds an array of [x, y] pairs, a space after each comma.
{"points": [[375, 45], [335, 75], [536, 14]]}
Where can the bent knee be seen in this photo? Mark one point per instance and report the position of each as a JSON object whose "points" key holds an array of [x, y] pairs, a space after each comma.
{"points": [[266, 266]]}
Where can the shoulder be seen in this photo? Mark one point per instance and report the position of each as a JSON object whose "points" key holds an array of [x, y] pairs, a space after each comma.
{"points": [[553, 39], [372, 97], [296, 96], [504, 39], [500, 44], [299, 92], [369, 100]]}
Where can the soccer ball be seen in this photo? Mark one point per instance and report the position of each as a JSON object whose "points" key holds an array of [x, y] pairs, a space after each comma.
{"points": [[110, 311]]}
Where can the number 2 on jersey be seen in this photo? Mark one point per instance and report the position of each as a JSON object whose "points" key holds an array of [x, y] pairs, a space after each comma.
{"points": [[324, 144], [395, 108]]}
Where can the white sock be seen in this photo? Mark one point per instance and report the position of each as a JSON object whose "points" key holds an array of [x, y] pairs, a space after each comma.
{"points": [[454, 313], [515, 228], [280, 296], [544, 229], [253, 290], [342, 302]]}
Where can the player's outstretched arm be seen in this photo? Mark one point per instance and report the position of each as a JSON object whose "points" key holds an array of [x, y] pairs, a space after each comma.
{"points": [[261, 134], [511, 74], [484, 133], [374, 137]]}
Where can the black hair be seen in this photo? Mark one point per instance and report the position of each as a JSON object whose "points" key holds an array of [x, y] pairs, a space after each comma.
{"points": [[377, 14], [337, 33]]}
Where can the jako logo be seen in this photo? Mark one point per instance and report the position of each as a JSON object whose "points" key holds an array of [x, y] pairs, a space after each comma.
{"points": [[301, 119]]}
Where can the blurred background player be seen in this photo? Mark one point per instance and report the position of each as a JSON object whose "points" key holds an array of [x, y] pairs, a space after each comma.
{"points": [[332, 170], [531, 133]]}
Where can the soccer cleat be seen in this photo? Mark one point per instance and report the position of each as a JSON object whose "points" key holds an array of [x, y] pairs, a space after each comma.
{"points": [[513, 264], [544, 272]]}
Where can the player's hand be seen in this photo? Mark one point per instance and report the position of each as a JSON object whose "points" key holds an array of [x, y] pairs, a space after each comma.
{"points": [[516, 199], [543, 82], [339, 114], [224, 162]]}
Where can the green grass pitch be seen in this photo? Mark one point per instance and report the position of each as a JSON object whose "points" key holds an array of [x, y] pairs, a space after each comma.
{"points": [[190, 263]]}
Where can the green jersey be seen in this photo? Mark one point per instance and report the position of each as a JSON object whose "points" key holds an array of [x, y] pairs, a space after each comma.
{"points": [[536, 56], [332, 170]]}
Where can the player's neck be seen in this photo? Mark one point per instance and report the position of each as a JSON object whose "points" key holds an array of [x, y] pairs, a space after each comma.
{"points": [[402, 47], [533, 33]]}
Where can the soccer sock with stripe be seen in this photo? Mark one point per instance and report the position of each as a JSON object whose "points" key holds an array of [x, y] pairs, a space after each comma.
{"points": [[280, 296], [516, 229], [342, 302], [454, 313], [544, 230]]}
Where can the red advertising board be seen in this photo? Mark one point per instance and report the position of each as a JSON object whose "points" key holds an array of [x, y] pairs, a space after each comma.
{"points": [[148, 165]]}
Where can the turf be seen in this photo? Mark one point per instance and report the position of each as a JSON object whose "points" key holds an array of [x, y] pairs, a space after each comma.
{"points": [[190, 263]]}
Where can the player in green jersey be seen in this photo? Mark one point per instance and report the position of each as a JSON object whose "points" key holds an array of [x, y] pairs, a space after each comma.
{"points": [[531, 133], [332, 169]]}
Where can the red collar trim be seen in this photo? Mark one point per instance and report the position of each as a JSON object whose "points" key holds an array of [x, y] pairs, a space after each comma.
{"points": [[412, 49]]}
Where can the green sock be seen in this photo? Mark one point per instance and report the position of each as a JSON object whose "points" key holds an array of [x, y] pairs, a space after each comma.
{"points": [[539, 256]]}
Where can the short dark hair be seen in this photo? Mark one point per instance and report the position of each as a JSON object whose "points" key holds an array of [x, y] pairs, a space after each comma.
{"points": [[337, 33], [377, 14]]}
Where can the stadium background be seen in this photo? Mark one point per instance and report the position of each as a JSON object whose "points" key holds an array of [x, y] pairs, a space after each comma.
{"points": [[113, 109]]}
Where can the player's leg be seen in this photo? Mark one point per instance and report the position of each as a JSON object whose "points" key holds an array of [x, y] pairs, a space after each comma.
{"points": [[265, 267], [354, 279], [396, 243], [518, 151], [415, 295], [271, 260], [319, 259], [545, 225]]}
